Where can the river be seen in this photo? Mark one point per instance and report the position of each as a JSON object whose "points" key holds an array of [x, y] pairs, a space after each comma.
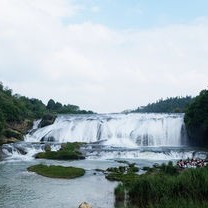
{"points": [[141, 138]]}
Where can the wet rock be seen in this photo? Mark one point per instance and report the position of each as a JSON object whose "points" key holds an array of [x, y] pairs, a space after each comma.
{"points": [[5, 140], [22, 127], [47, 148], [12, 134], [47, 120], [48, 139], [85, 205]]}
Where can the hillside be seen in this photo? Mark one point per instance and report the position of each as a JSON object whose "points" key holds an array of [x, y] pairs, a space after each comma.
{"points": [[17, 113], [169, 105], [196, 120]]}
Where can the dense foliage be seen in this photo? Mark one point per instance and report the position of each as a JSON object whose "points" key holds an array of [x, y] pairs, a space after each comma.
{"points": [[15, 109], [68, 151], [57, 107], [165, 186], [169, 105], [196, 119]]}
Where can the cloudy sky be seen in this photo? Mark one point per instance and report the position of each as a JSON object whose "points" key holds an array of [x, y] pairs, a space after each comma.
{"points": [[104, 55]]}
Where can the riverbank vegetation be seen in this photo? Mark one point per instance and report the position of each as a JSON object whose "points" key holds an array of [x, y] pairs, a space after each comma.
{"points": [[17, 113], [54, 171], [196, 120], [169, 105], [68, 151], [164, 186]]}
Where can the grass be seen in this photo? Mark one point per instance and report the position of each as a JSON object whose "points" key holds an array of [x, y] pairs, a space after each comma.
{"points": [[68, 151], [57, 171], [122, 173], [164, 187]]}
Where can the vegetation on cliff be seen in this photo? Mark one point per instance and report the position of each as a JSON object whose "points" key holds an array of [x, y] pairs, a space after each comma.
{"points": [[169, 105], [196, 119], [54, 171], [17, 113], [68, 151]]}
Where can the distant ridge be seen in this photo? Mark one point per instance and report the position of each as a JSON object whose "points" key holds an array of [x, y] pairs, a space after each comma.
{"points": [[169, 105]]}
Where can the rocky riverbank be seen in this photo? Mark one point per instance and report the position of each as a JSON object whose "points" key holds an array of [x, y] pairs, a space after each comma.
{"points": [[15, 131]]}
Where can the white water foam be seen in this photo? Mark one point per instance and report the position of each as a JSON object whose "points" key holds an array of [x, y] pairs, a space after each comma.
{"points": [[122, 130], [141, 155], [130, 131], [24, 151]]}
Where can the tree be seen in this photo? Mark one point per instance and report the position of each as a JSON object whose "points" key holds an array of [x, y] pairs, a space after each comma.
{"points": [[51, 104], [58, 106], [196, 119], [2, 121], [169, 105]]}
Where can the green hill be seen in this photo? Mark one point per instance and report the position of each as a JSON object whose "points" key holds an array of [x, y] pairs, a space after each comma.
{"points": [[17, 113], [196, 120], [169, 105]]}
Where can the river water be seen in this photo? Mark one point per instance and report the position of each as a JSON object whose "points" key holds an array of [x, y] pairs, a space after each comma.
{"points": [[22, 189], [141, 138]]}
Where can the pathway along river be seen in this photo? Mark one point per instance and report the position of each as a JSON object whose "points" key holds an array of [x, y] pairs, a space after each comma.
{"points": [[141, 138]]}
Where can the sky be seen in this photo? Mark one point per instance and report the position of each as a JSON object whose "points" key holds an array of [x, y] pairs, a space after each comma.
{"points": [[104, 55]]}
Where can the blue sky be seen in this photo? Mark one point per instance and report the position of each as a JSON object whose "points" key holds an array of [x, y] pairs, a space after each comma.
{"points": [[138, 14], [104, 55]]}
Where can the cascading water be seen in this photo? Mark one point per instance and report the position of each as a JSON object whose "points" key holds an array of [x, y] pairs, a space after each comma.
{"points": [[120, 130], [143, 139], [108, 136]]}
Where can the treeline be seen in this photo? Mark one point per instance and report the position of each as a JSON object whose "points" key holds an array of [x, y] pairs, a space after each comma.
{"points": [[16, 108], [196, 120], [169, 105], [57, 107]]}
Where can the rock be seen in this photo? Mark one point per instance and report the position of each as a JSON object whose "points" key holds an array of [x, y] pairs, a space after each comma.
{"points": [[47, 120], [5, 140], [48, 139], [85, 205], [47, 148], [11, 133], [22, 127]]}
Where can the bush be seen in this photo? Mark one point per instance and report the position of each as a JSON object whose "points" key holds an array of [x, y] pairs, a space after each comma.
{"points": [[187, 189], [68, 151]]}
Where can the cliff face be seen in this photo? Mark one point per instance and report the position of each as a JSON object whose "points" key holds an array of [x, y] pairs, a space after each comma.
{"points": [[15, 131]]}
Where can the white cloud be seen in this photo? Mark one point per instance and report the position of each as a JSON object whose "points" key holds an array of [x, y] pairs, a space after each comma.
{"points": [[95, 9], [93, 66]]}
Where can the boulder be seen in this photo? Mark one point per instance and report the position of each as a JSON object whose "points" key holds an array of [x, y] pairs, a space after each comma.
{"points": [[47, 120], [47, 148], [85, 205], [22, 127], [11, 133], [4, 140]]}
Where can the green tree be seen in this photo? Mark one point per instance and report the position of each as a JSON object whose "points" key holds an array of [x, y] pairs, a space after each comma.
{"points": [[196, 119], [2, 122], [51, 104], [169, 105]]}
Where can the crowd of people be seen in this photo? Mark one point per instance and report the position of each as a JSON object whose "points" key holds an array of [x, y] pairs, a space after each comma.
{"points": [[191, 163]]}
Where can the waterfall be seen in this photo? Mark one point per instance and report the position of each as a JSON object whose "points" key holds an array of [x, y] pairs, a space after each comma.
{"points": [[119, 130]]}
